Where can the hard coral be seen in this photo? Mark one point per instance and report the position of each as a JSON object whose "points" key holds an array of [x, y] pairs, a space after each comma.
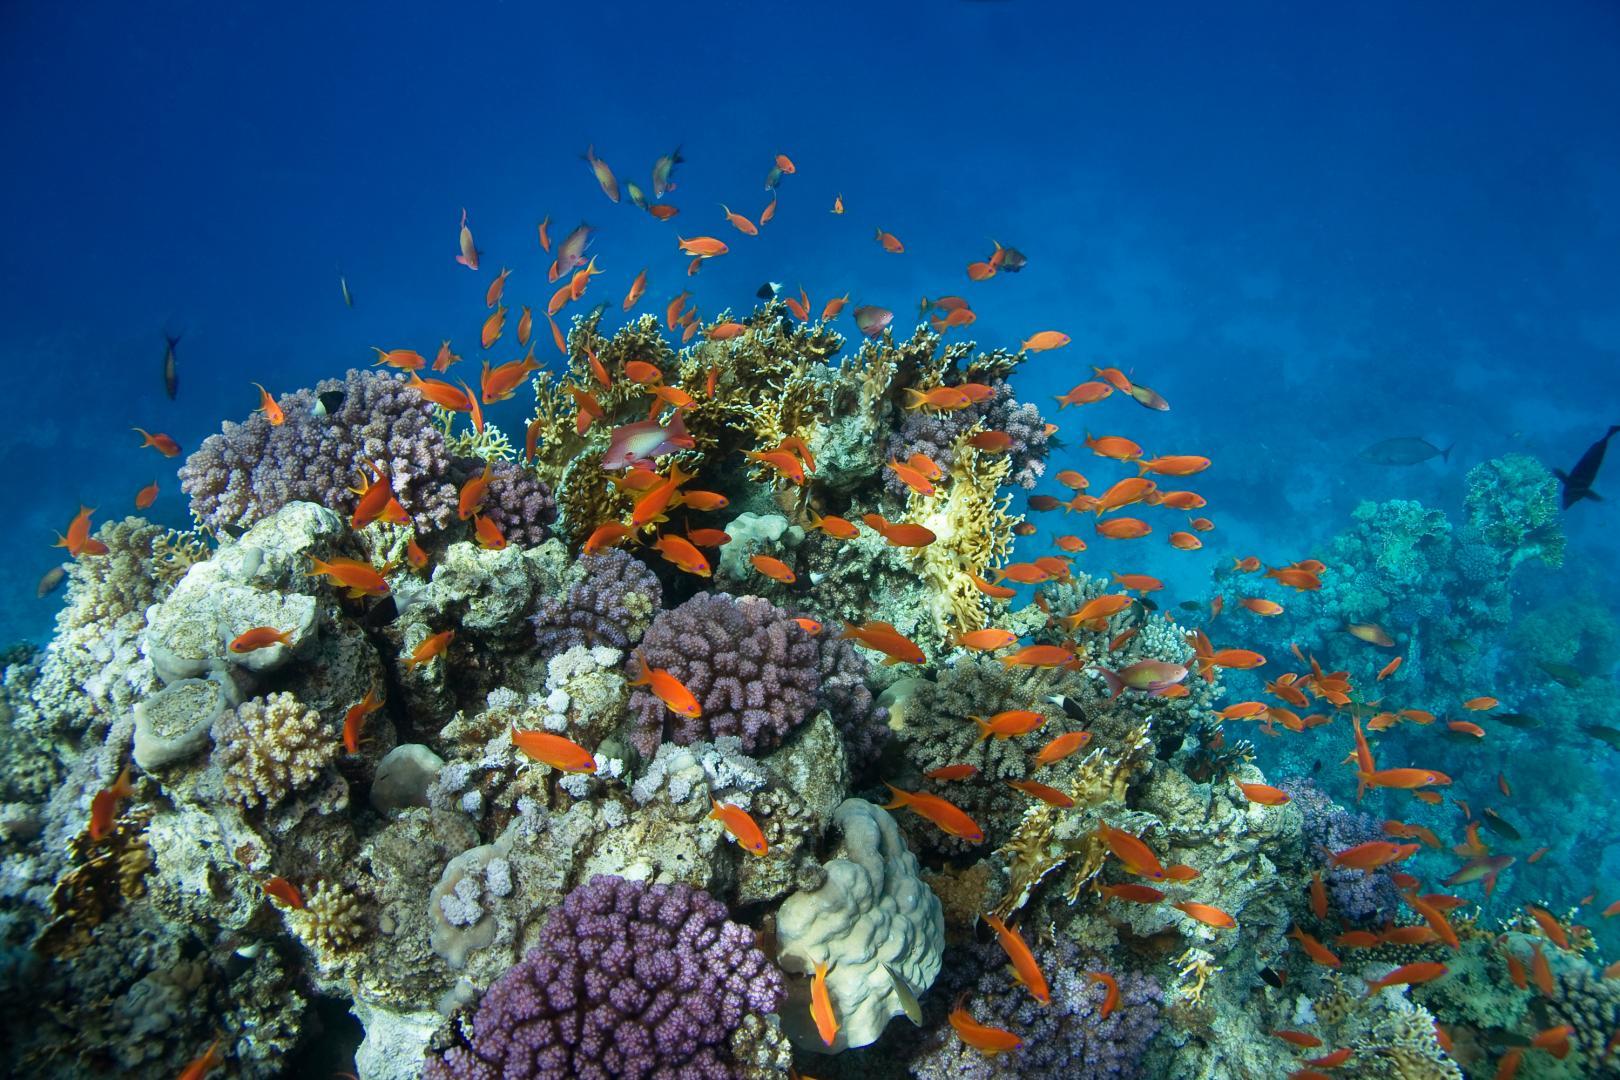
{"points": [[519, 502], [612, 603], [1329, 827], [629, 981], [753, 670], [250, 470], [268, 746]]}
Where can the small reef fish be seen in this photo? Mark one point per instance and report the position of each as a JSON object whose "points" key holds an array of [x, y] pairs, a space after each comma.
{"points": [[260, 637], [1207, 914], [554, 750], [400, 359], [1086, 393], [1319, 953], [78, 540], [359, 578], [171, 374], [639, 443], [947, 773], [1149, 677], [662, 170], [679, 551], [1577, 483], [1133, 892], [1044, 340], [1408, 975], [430, 647], [279, 888], [890, 243], [821, 1006], [982, 1037], [986, 640], [1061, 747], [604, 175], [469, 253], [1025, 969], [905, 995], [1264, 794], [1136, 856], [145, 497], [900, 533], [872, 321], [884, 638], [206, 1062], [1039, 656], [104, 806], [741, 826], [354, 721], [470, 499], [1373, 854], [1047, 794], [1005, 725], [50, 581], [158, 441], [774, 568], [666, 688], [950, 818]]}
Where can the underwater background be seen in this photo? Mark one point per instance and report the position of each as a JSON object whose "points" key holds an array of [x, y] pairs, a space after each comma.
{"points": [[1311, 231]]}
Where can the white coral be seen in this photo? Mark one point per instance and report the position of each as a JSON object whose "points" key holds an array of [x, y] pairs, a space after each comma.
{"points": [[267, 746]]}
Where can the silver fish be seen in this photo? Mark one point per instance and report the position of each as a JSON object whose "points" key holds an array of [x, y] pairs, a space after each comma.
{"points": [[348, 297], [908, 998], [52, 580], [1405, 450]]}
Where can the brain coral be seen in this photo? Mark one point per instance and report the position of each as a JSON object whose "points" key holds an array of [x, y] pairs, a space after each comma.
{"points": [[753, 670], [629, 981], [250, 470], [872, 909], [268, 746]]}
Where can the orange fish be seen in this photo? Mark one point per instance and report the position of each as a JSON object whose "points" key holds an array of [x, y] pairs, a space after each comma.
{"points": [[445, 358], [272, 411], [359, 578], [884, 638], [995, 592], [1185, 541], [1061, 747], [146, 496], [913, 479], [769, 212], [1047, 794], [809, 626], [260, 637], [1135, 855], [1044, 340], [493, 327], [942, 813], [1358, 939], [1302, 1039], [1371, 855], [1465, 727], [683, 554], [1481, 704], [982, 1037], [1043, 656], [666, 688], [1541, 971], [1549, 925], [160, 442], [78, 540], [104, 805], [834, 307], [833, 526], [213, 1057], [1261, 607], [890, 242], [279, 888], [403, 359], [1207, 914], [900, 533], [1133, 892], [492, 295], [1070, 543], [738, 222], [1025, 969], [1263, 794], [354, 720], [429, 648], [939, 399], [986, 640], [1125, 528], [470, 500], [1112, 446], [737, 822], [1086, 393], [1174, 464], [1303, 580], [443, 394], [499, 383], [1318, 952], [1408, 975], [773, 568], [821, 1007], [554, 750], [702, 247], [1389, 669], [952, 772], [1554, 1040], [991, 442]]}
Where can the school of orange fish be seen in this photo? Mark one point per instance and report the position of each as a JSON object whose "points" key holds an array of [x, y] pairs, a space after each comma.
{"points": [[1090, 633]]}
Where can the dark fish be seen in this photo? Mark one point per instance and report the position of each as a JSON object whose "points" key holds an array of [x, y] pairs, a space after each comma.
{"points": [[328, 403], [1499, 825], [1563, 674], [595, 314], [1147, 603], [1013, 260], [381, 614], [773, 178], [1516, 719], [1578, 481], [1072, 708], [661, 170], [1190, 605], [1272, 977], [52, 580], [1603, 734], [1024, 528], [768, 290], [1041, 503], [171, 377], [1461, 645], [1316, 766], [1407, 450]]}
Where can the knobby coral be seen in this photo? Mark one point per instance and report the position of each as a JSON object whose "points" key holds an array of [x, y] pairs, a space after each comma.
{"points": [[753, 670], [629, 981], [611, 604], [267, 746]]}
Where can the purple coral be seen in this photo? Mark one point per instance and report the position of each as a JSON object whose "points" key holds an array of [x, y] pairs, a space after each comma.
{"points": [[611, 605], [753, 670], [628, 981], [1329, 827], [251, 470], [863, 723], [935, 434], [518, 502], [1065, 1038]]}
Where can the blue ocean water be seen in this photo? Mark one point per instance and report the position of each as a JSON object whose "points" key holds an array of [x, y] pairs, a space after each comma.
{"points": [[1310, 228]]}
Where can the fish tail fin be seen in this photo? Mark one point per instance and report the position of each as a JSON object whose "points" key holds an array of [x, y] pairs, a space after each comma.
{"points": [[899, 798], [917, 397], [984, 728], [1116, 685], [1590, 494], [1445, 455]]}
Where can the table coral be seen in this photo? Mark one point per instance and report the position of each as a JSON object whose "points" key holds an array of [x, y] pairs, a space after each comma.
{"points": [[629, 981]]}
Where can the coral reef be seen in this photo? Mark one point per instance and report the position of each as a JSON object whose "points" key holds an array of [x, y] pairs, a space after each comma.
{"points": [[612, 603], [266, 747]]}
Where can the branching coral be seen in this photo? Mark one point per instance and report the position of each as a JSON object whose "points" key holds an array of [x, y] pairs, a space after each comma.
{"points": [[629, 981], [252, 469], [612, 603], [268, 746], [518, 502], [752, 669]]}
